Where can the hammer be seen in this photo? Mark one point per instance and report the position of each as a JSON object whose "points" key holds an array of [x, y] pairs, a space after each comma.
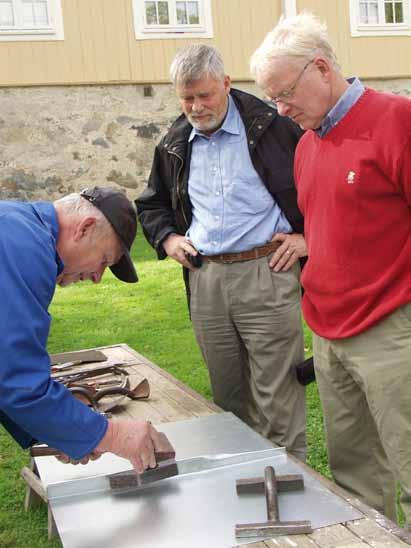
{"points": [[273, 526]]}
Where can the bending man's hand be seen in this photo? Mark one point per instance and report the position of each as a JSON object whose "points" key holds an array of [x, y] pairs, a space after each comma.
{"points": [[65, 459], [292, 247], [177, 247], [134, 440]]}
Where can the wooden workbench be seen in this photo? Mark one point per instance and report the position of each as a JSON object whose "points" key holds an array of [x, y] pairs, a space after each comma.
{"points": [[170, 400]]}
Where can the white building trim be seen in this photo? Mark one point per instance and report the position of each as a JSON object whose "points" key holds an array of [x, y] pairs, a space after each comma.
{"points": [[289, 8], [53, 31], [143, 31]]}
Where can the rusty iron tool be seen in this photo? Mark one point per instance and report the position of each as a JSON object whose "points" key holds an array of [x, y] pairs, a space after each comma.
{"points": [[79, 374], [252, 486], [273, 526], [91, 396], [46, 451], [165, 450], [116, 379], [140, 392], [66, 365], [129, 481], [78, 356], [100, 369]]}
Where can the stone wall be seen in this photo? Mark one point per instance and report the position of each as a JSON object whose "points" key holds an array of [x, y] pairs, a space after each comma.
{"points": [[55, 140]]}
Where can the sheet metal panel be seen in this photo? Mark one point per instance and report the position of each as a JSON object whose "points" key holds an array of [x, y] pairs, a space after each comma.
{"points": [[197, 510]]}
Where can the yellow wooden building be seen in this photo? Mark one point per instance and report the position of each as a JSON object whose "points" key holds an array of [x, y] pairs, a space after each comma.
{"points": [[84, 88], [66, 42]]}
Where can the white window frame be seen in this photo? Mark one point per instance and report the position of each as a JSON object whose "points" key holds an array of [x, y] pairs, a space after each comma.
{"points": [[53, 31], [143, 31], [382, 28], [289, 8]]}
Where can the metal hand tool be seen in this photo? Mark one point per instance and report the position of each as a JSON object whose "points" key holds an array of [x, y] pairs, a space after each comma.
{"points": [[273, 526], [251, 486], [129, 481], [65, 365], [92, 396], [86, 372], [78, 356], [46, 451]]}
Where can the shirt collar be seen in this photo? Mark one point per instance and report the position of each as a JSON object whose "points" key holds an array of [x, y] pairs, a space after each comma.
{"points": [[343, 105], [48, 216], [231, 122]]}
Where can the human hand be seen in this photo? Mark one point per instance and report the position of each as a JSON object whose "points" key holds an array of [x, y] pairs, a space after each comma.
{"points": [[178, 247], [292, 247], [135, 440], [65, 459]]}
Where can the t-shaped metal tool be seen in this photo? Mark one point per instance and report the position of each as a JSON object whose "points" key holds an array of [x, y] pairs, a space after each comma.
{"points": [[273, 526]]}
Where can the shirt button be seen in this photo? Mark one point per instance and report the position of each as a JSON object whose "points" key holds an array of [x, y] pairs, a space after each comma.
{"points": [[213, 143], [216, 217], [217, 193], [260, 127], [251, 142], [214, 243]]}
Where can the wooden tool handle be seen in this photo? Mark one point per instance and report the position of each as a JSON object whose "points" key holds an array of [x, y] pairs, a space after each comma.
{"points": [[43, 451]]}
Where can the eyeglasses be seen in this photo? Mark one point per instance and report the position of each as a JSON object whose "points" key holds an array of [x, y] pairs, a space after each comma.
{"points": [[289, 93]]}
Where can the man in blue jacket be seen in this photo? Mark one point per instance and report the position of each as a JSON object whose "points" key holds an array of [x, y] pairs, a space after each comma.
{"points": [[41, 244]]}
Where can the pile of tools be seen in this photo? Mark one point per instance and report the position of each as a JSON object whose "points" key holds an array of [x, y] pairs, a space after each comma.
{"points": [[96, 385]]}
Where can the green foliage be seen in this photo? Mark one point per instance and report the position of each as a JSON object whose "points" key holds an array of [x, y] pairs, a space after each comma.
{"points": [[151, 317]]}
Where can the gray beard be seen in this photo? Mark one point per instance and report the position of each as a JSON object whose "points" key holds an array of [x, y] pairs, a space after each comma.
{"points": [[213, 124]]}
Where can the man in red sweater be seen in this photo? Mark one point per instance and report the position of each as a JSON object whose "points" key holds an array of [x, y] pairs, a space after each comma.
{"points": [[353, 176]]}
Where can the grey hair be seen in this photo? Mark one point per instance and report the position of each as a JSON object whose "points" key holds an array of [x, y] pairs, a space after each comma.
{"points": [[301, 36], [76, 206], [195, 62]]}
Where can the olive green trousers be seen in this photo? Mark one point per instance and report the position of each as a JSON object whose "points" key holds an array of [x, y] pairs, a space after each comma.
{"points": [[365, 389]]}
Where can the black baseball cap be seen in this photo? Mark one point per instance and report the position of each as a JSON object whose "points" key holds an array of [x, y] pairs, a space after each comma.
{"points": [[120, 213]]}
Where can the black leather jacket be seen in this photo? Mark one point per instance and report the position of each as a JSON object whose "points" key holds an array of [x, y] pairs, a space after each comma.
{"points": [[164, 206]]}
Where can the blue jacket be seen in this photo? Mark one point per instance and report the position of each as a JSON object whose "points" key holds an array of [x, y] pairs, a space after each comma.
{"points": [[33, 407]]}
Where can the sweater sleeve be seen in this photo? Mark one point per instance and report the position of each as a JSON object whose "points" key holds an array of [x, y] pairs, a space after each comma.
{"points": [[404, 171], [29, 398]]}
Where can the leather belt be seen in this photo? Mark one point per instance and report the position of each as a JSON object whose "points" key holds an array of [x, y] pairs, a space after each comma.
{"points": [[256, 253]]}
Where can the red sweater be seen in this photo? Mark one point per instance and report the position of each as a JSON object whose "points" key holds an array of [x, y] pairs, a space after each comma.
{"points": [[354, 189]]}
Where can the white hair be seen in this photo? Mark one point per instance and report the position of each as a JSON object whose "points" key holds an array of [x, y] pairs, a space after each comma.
{"points": [[195, 62], [76, 206], [302, 36]]}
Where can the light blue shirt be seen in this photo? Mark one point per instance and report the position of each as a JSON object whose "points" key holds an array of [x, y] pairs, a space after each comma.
{"points": [[232, 209], [343, 105]]}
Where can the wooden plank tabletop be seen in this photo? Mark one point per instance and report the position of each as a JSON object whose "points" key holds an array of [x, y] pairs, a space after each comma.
{"points": [[170, 400]]}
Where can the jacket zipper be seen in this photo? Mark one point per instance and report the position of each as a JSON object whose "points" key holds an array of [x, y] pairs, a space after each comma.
{"points": [[178, 184]]}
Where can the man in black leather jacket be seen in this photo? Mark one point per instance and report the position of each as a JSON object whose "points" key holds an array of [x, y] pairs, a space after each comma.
{"points": [[221, 201]]}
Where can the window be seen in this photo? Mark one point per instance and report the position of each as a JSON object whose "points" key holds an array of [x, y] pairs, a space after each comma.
{"points": [[31, 20], [380, 17], [172, 19]]}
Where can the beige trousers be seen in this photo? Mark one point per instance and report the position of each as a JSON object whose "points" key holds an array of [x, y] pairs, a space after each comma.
{"points": [[247, 321], [365, 389]]}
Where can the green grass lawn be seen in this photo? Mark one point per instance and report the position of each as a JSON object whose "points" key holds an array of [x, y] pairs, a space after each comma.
{"points": [[152, 318]]}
